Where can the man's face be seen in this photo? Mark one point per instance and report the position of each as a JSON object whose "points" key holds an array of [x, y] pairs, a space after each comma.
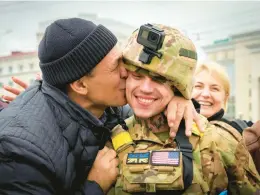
{"points": [[146, 97], [209, 92], [106, 84]]}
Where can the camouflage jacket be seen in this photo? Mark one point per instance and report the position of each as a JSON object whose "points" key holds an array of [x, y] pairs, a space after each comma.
{"points": [[220, 162]]}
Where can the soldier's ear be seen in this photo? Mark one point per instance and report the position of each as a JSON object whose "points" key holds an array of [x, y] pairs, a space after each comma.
{"points": [[80, 86]]}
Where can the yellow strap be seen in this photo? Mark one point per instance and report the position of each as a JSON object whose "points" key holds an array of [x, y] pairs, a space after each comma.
{"points": [[121, 139], [195, 130]]}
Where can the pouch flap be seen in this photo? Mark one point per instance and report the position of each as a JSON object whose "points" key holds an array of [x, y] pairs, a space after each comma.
{"points": [[148, 172]]}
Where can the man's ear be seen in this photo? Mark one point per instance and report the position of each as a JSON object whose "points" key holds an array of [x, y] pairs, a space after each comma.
{"points": [[80, 86]]}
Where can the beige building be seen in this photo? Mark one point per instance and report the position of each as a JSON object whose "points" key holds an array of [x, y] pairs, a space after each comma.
{"points": [[21, 64], [240, 55]]}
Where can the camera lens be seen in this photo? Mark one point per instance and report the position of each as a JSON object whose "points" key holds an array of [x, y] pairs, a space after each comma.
{"points": [[153, 37]]}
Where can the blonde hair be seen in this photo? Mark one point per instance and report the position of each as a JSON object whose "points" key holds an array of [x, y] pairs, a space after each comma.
{"points": [[219, 72]]}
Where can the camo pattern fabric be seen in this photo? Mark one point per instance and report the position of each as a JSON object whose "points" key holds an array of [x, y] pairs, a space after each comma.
{"points": [[220, 162], [178, 56]]}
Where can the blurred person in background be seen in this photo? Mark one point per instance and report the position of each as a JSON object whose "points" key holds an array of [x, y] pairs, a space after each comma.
{"points": [[212, 90]]}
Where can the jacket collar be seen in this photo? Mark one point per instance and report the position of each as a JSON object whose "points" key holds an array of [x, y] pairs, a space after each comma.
{"points": [[79, 115], [75, 111], [217, 116]]}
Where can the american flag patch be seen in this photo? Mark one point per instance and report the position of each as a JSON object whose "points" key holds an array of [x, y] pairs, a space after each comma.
{"points": [[165, 158]]}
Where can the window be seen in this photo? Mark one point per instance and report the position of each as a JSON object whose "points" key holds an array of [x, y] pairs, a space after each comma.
{"points": [[31, 66], [20, 68], [10, 68], [249, 78]]}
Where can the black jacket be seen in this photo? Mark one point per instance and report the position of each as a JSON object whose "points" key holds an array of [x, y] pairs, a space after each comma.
{"points": [[48, 144], [238, 124]]}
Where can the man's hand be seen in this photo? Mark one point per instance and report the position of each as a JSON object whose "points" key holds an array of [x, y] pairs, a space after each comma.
{"points": [[179, 108], [14, 91], [105, 169]]}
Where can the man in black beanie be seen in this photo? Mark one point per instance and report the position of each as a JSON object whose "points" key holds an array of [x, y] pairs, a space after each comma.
{"points": [[52, 137]]}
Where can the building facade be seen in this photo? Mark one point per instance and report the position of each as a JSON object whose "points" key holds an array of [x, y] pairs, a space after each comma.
{"points": [[240, 55], [23, 65]]}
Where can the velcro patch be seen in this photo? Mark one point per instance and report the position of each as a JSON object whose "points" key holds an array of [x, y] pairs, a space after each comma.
{"points": [[138, 158], [164, 158]]}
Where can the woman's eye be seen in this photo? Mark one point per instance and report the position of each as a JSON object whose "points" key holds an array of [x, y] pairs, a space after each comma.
{"points": [[215, 89]]}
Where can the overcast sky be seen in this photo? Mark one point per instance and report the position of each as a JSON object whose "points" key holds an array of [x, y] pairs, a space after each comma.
{"points": [[19, 20]]}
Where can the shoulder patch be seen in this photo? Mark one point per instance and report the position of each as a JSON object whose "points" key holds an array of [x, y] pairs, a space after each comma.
{"points": [[165, 158], [138, 158]]}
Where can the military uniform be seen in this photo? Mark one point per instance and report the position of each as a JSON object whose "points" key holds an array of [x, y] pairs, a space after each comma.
{"points": [[220, 161], [151, 162]]}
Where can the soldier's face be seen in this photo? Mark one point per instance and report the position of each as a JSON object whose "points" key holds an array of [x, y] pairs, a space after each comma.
{"points": [[146, 97], [209, 92]]}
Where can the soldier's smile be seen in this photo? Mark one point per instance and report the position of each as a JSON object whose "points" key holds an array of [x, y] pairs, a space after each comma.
{"points": [[145, 101]]}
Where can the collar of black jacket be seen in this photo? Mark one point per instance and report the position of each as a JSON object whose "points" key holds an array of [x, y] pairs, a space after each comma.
{"points": [[196, 105], [77, 113], [74, 109], [217, 116]]}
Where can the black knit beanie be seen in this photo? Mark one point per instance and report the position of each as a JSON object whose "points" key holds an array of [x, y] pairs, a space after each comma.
{"points": [[71, 48]]}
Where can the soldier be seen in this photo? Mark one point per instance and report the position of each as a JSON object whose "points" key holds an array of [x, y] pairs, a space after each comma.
{"points": [[161, 62]]}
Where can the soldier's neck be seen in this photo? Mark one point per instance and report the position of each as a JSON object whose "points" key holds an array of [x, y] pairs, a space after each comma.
{"points": [[156, 124]]}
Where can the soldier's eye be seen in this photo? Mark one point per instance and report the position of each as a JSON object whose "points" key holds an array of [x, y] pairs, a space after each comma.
{"points": [[158, 79], [136, 75]]}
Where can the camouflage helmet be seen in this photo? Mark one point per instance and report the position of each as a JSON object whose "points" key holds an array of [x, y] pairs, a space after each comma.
{"points": [[176, 65]]}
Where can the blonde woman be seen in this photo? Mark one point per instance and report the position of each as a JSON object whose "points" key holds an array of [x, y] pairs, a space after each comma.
{"points": [[211, 90]]}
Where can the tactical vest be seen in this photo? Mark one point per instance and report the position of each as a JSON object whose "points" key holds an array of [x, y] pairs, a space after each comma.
{"points": [[251, 137], [149, 166]]}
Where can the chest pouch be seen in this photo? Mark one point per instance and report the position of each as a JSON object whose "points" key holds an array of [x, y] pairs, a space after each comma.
{"points": [[149, 171]]}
